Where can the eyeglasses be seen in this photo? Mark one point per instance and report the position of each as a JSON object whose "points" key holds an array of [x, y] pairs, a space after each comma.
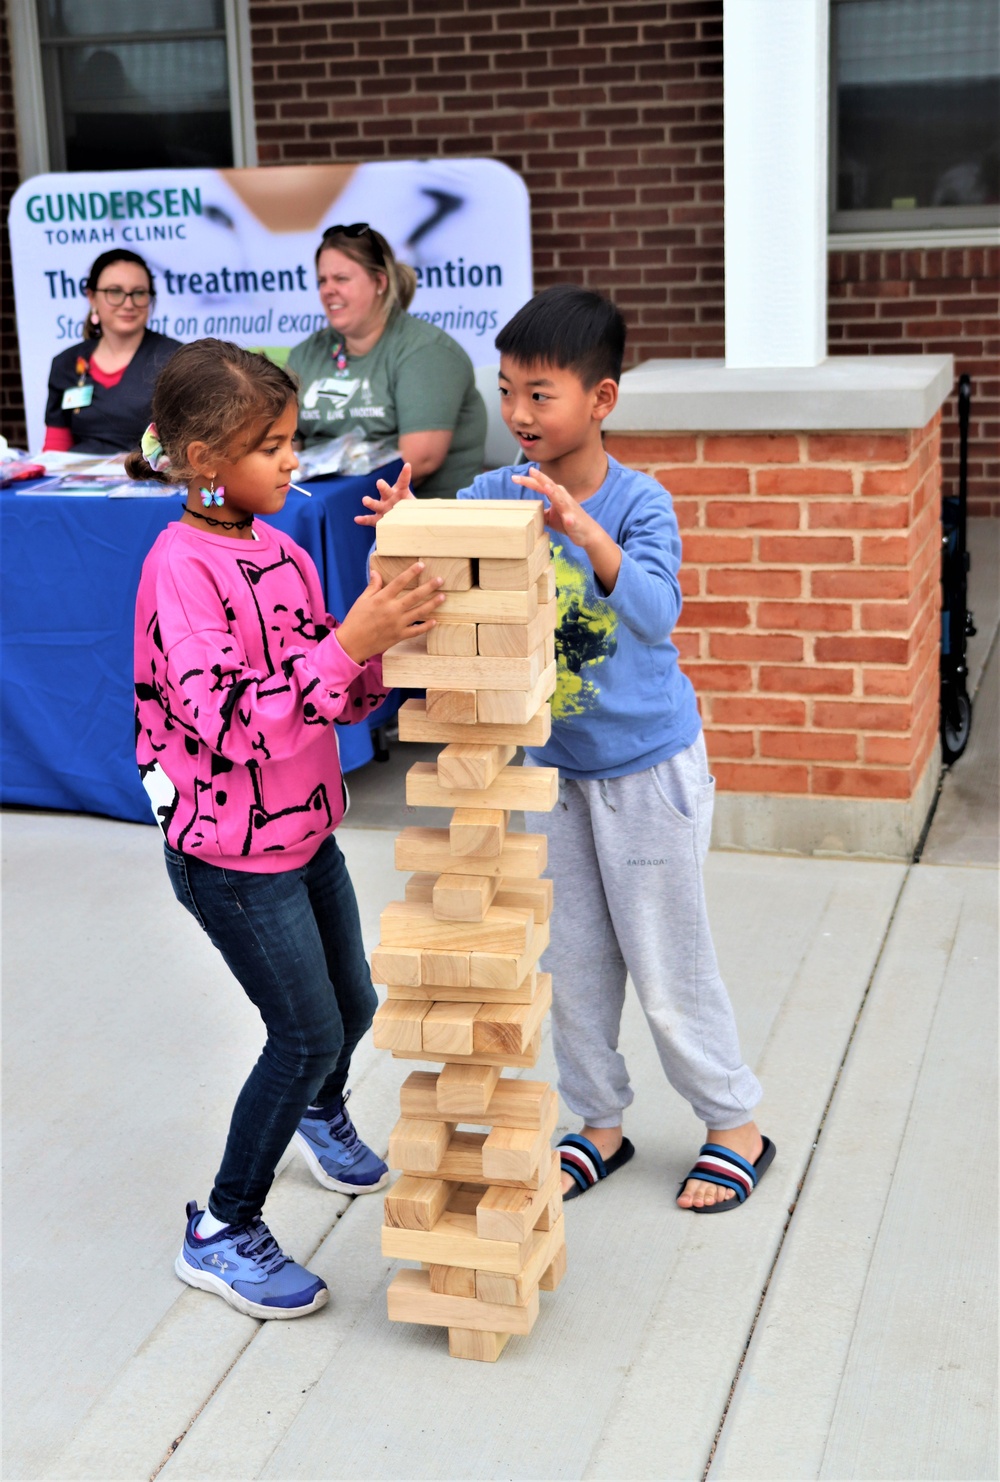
{"points": [[117, 296], [358, 229]]}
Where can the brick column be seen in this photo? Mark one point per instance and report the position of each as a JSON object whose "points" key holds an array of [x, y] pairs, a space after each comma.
{"points": [[811, 625]]}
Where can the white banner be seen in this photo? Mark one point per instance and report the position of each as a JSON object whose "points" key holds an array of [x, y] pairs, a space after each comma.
{"points": [[232, 250]]}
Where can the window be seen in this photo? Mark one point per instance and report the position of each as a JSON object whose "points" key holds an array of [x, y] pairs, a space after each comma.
{"points": [[125, 86], [915, 100]]}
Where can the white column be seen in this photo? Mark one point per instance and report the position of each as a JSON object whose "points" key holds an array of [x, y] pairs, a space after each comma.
{"points": [[775, 93]]}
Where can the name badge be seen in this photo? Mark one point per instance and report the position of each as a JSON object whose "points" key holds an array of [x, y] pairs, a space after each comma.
{"points": [[76, 397]]}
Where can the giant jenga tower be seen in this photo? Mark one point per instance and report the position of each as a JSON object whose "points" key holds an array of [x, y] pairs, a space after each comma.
{"points": [[480, 1211]]}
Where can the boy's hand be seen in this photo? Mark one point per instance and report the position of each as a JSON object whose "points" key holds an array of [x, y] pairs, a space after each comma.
{"points": [[565, 515], [388, 612], [390, 494]]}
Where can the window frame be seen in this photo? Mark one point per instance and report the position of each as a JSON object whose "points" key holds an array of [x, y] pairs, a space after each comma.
{"points": [[933, 225], [33, 149]]}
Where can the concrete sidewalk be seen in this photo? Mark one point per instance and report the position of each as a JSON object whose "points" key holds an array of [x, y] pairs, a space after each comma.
{"points": [[862, 1273]]}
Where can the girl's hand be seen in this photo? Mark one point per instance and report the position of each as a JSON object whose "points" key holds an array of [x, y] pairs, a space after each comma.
{"points": [[390, 494], [387, 612]]}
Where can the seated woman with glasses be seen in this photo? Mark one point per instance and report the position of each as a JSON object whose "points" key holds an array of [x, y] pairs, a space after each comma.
{"points": [[100, 391], [377, 369]]}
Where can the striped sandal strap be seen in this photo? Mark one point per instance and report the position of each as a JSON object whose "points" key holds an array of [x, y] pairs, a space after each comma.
{"points": [[719, 1165], [580, 1159]]}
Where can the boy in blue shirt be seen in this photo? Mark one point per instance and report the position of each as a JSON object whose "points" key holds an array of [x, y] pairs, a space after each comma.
{"points": [[629, 835]]}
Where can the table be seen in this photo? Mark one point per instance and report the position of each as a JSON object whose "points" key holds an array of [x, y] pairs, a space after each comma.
{"points": [[71, 566]]}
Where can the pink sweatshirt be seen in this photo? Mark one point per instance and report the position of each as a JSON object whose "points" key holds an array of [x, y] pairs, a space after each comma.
{"points": [[238, 676]]}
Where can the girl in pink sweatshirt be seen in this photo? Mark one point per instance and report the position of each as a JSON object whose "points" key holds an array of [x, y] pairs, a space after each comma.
{"points": [[240, 677]]}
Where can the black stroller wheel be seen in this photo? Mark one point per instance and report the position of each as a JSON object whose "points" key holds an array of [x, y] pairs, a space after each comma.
{"points": [[956, 723]]}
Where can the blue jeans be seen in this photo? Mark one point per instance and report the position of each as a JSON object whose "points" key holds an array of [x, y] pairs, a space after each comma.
{"points": [[293, 942]]}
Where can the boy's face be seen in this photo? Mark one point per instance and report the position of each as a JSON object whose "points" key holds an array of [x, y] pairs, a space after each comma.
{"points": [[549, 410]]}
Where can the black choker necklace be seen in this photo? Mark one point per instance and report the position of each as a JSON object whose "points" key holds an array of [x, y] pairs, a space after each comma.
{"points": [[223, 524]]}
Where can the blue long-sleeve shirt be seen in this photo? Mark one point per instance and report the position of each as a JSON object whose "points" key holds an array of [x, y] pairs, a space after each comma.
{"points": [[622, 703]]}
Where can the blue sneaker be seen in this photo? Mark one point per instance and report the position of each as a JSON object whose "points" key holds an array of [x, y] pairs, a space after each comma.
{"points": [[337, 1157], [244, 1265]]}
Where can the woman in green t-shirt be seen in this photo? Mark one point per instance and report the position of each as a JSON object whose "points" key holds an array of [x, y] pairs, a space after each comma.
{"points": [[377, 369]]}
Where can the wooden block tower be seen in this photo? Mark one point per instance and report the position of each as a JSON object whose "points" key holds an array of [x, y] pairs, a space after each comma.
{"points": [[480, 1211]]}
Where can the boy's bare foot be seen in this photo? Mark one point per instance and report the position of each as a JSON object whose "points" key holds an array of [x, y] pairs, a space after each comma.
{"points": [[607, 1141], [746, 1141]]}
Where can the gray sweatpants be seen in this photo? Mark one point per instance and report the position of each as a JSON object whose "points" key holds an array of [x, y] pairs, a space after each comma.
{"points": [[626, 855]]}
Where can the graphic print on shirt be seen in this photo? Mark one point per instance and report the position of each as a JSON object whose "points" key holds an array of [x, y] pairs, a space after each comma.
{"points": [[220, 811], [267, 831], [586, 629]]}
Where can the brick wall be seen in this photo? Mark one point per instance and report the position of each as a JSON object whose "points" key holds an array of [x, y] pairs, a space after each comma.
{"points": [[931, 302], [811, 593], [11, 401], [612, 114]]}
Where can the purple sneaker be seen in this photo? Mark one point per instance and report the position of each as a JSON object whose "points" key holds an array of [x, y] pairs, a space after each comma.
{"points": [[245, 1266], [337, 1157]]}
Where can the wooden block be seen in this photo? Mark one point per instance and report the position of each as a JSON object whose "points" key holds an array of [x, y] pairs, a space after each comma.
{"points": [[477, 831], [416, 1203], [409, 665], [453, 1281], [396, 1025], [410, 1299], [492, 1286], [512, 639], [554, 1272], [534, 788], [546, 585], [473, 527], [513, 1153], [446, 969], [454, 1241], [523, 856], [416, 725], [498, 573], [419, 1144], [453, 638], [548, 650], [442, 993], [511, 1214], [514, 1103], [552, 1211], [401, 965], [455, 571], [500, 1027], [464, 1091], [480, 606], [463, 897], [479, 1057], [498, 972], [472, 764], [466, 1343], [452, 707], [463, 1163], [413, 924], [447, 1028], [508, 708]]}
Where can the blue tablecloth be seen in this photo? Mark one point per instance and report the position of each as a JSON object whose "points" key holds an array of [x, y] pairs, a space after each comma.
{"points": [[70, 568]]}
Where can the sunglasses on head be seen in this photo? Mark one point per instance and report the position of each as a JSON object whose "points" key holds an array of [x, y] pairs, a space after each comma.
{"points": [[358, 229]]}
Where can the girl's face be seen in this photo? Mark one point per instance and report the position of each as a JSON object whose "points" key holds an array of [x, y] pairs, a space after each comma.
{"points": [[351, 297], [258, 482], [125, 317]]}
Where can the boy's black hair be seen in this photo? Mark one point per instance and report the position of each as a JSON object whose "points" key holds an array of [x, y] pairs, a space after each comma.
{"points": [[572, 328]]}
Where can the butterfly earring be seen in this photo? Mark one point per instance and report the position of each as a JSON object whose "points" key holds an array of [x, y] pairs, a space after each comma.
{"points": [[213, 495]]}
